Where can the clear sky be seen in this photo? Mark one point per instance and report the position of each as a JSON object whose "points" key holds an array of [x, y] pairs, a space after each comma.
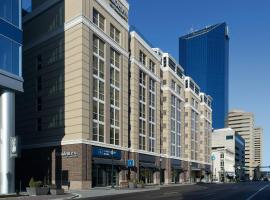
{"points": [[163, 21]]}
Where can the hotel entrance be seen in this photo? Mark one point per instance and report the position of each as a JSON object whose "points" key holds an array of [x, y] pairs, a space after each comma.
{"points": [[103, 176], [106, 166]]}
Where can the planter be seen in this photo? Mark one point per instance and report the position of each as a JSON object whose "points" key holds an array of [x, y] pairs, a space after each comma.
{"points": [[140, 185], [35, 191], [57, 191], [132, 185]]}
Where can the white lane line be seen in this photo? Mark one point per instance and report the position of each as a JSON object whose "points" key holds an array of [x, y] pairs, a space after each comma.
{"points": [[249, 198]]}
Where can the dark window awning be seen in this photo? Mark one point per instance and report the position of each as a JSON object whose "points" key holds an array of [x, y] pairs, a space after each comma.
{"points": [[148, 165], [195, 169], [177, 167], [103, 161]]}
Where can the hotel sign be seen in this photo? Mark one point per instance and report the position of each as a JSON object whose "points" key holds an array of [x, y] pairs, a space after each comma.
{"points": [[106, 153], [119, 8], [68, 154]]}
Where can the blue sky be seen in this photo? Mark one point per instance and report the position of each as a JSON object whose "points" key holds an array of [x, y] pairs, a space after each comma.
{"points": [[162, 22]]}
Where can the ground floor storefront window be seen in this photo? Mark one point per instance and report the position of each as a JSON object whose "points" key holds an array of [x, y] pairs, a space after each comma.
{"points": [[146, 175], [103, 175]]}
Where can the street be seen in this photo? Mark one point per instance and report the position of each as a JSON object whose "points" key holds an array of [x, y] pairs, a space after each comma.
{"points": [[239, 191]]}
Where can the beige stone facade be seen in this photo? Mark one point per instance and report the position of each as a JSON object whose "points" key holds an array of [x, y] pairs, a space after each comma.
{"points": [[76, 67], [258, 137], [144, 104], [102, 97], [198, 130]]}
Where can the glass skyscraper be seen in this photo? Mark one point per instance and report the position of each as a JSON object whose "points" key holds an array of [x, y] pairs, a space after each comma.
{"points": [[10, 82], [204, 55]]}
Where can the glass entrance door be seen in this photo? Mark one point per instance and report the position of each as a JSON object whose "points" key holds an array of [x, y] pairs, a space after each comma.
{"points": [[102, 176]]}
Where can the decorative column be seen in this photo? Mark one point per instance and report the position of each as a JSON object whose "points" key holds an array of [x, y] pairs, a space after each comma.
{"points": [[7, 164]]}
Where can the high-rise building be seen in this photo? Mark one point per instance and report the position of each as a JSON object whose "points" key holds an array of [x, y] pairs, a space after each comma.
{"points": [[243, 123], [204, 55], [228, 150], [258, 136], [11, 81]]}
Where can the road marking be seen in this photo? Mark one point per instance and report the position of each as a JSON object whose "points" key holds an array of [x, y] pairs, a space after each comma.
{"points": [[249, 198]]}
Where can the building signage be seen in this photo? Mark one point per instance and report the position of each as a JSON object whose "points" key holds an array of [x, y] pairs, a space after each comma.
{"points": [[14, 147], [68, 154], [106, 153], [119, 8], [131, 163]]}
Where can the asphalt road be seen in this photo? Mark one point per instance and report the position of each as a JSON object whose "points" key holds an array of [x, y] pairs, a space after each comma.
{"points": [[239, 191]]}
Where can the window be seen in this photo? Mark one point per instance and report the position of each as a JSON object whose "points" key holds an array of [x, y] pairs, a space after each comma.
{"points": [[98, 89], [39, 124], [142, 78], [142, 134], [39, 104], [98, 19], [142, 58], [175, 126], [9, 10], [222, 155], [39, 83], [152, 66], [114, 97], [39, 62], [173, 85], [229, 137], [178, 89], [115, 34]]}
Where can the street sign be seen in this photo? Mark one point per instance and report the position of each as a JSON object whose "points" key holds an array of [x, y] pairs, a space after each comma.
{"points": [[131, 163], [213, 157]]}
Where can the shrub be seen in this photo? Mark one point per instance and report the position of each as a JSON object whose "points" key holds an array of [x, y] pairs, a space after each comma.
{"points": [[33, 183]]}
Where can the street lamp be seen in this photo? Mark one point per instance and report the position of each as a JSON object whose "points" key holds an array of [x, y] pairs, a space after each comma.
{"points": [[112, 152], [160, 160], [190, 164]]}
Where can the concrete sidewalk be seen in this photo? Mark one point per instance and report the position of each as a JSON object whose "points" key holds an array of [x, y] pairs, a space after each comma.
{"points": [[105, 191], [42, 197]]}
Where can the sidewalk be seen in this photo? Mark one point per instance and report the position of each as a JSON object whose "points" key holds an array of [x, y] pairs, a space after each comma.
{"points": [[105, 191], [94, 192], [42, 197]]}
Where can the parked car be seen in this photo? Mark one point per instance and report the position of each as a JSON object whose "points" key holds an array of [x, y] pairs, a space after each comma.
{"points": [[265, 179]]}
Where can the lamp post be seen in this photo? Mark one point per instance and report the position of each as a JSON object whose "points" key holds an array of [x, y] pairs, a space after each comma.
{"points": [[112, 152], [190, 164], [160, 160]]}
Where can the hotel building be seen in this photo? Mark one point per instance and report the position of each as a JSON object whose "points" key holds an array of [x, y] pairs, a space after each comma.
{"points": [[172, 114], [76, 67], [11, 82], [144, 109], [107, 107], [198, 129]]}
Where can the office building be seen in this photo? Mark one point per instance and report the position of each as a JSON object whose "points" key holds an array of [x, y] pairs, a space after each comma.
{"points": [[228, 151], [11, 82], [204, 55], [76, 67], [243, 123], [258, 135]]}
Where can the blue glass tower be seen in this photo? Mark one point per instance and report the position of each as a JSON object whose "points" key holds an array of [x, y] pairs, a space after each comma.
{"points": [[204, 55], [10, 82]]}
